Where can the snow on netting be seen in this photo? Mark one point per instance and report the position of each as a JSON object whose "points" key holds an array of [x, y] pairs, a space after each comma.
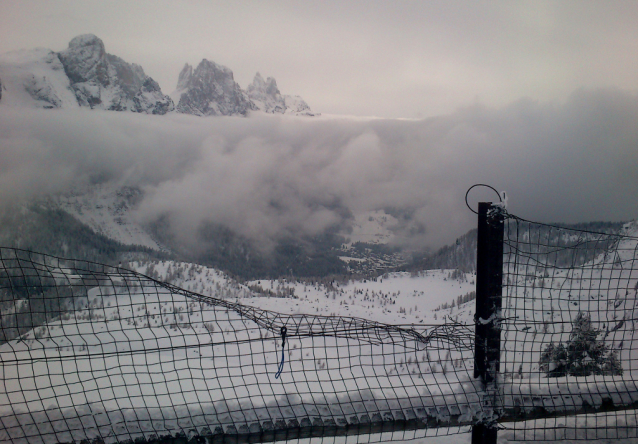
{"points": [[569, 341], [92, 353]]}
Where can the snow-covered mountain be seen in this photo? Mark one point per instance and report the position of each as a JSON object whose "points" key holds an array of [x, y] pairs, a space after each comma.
{"points": [[82, 75], [105, 81], [85, 75], [107, 210], [210, 90], [267, 98]]}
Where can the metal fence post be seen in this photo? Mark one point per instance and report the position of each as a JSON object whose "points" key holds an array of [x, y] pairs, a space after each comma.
{"points": [[487, 342]]}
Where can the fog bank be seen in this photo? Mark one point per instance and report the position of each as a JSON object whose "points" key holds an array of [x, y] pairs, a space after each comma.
{"points": [[269, 177]]}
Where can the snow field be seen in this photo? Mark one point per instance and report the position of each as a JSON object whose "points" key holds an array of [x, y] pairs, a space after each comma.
{"points": [[152, 360], [395, 298], [190, 364]]}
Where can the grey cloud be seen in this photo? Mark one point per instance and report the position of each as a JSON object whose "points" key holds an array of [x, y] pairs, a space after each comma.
{"points": [[269, 177]]}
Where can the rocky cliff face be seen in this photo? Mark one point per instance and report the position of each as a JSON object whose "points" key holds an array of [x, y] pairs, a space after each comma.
{"points": [[211, 90], [267, 98], [104, 81]]}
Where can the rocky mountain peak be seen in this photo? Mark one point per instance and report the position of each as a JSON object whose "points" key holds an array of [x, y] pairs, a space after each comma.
{"points": [[87, 42], [268, 86], [261, 86], [86, 75], [105, 81], [266, 96], [211, 90], [84, 58]]}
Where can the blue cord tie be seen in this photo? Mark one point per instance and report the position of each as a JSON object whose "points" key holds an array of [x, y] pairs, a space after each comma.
{"points": [[283, 356]]}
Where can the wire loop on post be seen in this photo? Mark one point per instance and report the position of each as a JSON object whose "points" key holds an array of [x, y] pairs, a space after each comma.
{"points": [[480, 185]]}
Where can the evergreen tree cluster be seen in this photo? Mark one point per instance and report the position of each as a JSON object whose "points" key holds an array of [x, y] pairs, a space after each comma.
{"points": [[583, 355], [30, 297], [460, 300]]}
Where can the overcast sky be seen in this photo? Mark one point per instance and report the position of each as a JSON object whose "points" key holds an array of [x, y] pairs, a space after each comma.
{"points": [[407, 59]]}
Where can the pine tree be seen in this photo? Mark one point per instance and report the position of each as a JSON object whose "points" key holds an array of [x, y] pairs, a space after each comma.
{"points": [[583, 355]]}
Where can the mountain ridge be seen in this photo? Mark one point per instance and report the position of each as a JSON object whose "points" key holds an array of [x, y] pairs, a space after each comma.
{"points": [[86, 75]]}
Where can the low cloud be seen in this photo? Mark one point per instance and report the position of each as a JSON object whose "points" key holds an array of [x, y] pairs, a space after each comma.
{"points": [[270, 177]]}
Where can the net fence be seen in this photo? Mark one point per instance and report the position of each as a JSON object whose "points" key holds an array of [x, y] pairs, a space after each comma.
{"points": [[569, 353], [92, 353]]}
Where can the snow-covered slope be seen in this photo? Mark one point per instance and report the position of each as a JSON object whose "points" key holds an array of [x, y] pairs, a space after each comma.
{"points": [[180, 342], [35, 78], [107, 209], [196, 278], [169, 341], [394, 298], [541, 305]]}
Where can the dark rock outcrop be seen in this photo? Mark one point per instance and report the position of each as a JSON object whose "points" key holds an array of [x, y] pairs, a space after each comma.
{"points": [[104, 81]]}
